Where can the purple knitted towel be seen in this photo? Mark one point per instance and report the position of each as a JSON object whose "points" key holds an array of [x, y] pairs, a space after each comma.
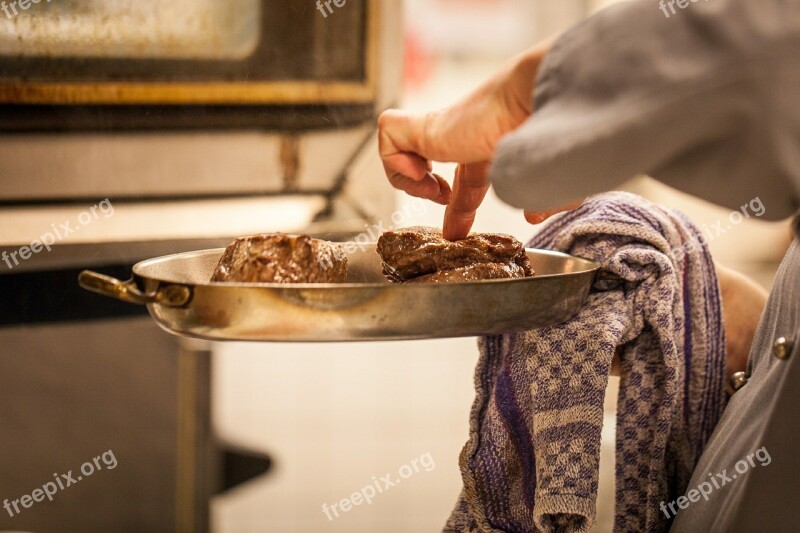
{"points": [[532, 459]]}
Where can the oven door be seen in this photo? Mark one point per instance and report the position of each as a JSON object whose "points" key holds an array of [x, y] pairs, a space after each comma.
{"points": [[84, 64], [199, 100]]}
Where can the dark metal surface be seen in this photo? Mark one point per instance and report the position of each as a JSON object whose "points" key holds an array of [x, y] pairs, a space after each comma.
{"points": [[304, 71], [368, 307], [294, 43], [160, 118]]}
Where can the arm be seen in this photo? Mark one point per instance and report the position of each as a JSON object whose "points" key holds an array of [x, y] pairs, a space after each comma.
{"points": [[704, 100], [700, 100], [743, 303]]}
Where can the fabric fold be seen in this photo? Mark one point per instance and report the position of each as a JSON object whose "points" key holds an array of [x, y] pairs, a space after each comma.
{"points": [[532, 460]]}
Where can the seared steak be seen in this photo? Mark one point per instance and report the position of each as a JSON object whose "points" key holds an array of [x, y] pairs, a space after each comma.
{"points": [[278, 258], [420, 254], [476, 272]]}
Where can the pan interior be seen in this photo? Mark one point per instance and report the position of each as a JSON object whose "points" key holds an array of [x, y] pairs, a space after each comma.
{"points": [[364, 266]]}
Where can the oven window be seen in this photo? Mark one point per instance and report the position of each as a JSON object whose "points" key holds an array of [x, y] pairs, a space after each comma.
{"points": [[231, 41], [155, 29]]}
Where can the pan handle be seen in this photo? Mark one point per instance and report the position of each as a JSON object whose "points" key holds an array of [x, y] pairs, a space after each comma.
{"points": [[127, 291]]}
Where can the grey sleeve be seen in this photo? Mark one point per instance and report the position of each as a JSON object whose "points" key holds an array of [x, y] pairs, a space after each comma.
{"points": [[705, 99]]}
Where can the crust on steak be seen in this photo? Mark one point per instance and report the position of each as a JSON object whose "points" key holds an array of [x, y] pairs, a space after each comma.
{"points": [[279, 258], [422, 254], [481, 271]]}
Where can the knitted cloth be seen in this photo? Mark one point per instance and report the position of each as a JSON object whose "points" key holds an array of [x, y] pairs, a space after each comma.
{"points": [[532, 459]]}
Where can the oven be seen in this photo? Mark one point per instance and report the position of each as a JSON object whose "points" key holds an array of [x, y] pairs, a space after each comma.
{"points": [[135, 129]]}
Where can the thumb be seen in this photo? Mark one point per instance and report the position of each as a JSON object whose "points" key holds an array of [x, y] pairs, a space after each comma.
{"points": [[537, 217]]}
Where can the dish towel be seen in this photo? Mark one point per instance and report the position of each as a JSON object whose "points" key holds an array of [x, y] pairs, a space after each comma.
{"points": [[532, 459]]}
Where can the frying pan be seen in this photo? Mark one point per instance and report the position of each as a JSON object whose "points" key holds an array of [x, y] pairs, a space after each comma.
{"points": [[182, 300]]}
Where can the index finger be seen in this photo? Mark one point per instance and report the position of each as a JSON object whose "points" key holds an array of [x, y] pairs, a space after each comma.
{"points": [[469, 189]]}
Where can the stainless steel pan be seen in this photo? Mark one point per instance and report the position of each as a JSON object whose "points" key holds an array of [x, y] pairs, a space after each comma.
{"points": [[180, 298]]}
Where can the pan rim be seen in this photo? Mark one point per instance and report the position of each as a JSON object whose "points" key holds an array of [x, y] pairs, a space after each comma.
{"points": [[588, 267]]}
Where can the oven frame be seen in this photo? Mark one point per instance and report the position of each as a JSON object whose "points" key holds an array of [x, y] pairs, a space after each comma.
{"points": [[209, 93]]}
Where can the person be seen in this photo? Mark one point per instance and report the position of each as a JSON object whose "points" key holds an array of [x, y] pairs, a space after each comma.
{"points": [[705, 100]]}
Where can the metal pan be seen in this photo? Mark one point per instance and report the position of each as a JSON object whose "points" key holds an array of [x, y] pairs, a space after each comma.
{"points": [[180, 298]]}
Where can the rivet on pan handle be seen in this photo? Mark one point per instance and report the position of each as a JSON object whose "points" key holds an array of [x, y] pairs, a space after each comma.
{"points": [[168, 295]]}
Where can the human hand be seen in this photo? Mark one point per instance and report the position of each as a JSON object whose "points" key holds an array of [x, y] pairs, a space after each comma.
{"points": [[743, 302], [465, 133]]}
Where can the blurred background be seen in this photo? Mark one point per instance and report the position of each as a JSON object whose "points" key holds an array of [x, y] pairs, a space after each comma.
{"points": [[214, 123]]}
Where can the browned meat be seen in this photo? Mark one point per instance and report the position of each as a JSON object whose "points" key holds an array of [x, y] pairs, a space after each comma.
{"points": [[421, 254], [278, 258], [480, 271]]}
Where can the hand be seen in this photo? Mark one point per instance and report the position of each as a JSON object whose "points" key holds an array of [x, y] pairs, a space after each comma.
{"points": [[743, 302], [465, 133]]}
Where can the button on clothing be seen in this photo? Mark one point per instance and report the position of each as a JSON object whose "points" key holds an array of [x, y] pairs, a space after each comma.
{"points": [[783, 348], [739, 380]]}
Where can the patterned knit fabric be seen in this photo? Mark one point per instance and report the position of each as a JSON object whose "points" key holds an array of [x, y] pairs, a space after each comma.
{"points": [[532, 459]]}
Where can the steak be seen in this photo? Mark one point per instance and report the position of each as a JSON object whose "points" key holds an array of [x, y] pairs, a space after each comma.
{"points": [[420, 254], [279, 258], [480, 271]]}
